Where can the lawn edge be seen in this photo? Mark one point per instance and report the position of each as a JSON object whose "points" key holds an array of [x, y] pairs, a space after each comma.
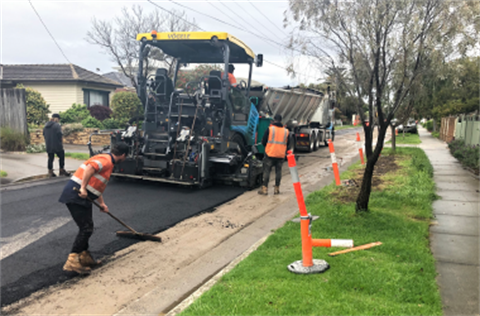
{"points": [[183, 305], [210, 283]]}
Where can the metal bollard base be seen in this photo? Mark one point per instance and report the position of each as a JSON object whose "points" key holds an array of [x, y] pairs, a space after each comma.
{"points": [[319, 266]]}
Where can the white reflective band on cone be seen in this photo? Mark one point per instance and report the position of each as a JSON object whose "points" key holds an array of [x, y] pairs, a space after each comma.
{"points": [[334, 158], [346, 243], [294, 173]]}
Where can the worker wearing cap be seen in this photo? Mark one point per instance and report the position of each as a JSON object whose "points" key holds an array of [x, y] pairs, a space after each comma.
{"points": [[276, 142], [52, 133], [90, 180]]}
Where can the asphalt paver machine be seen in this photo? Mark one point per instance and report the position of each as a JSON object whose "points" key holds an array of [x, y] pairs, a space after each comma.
{"points": [[203, 133]]}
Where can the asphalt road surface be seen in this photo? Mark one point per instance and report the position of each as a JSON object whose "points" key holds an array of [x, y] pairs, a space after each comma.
{"points": [[37, 232]]}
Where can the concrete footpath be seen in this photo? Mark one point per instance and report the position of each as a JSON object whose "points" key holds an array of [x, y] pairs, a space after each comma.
{"points": [[454, 237], [20, 165]]}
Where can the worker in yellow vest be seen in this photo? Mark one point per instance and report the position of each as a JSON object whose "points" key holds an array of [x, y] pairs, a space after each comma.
{"points": [[276, 142]]}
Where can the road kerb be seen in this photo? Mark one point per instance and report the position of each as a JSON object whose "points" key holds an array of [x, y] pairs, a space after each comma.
{"points": [[208, 285]]}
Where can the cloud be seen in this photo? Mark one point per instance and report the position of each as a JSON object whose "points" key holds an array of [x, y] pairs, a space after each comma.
{"points": [[25, 40]]}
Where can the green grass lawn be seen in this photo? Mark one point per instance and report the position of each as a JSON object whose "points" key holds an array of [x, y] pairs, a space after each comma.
{"points": [[410, 139], [79, 156], [337, 128], [396, 278], [3, 174]]}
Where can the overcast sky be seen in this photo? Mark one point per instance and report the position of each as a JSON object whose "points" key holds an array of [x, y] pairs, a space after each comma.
{"points": [[24, 40]]}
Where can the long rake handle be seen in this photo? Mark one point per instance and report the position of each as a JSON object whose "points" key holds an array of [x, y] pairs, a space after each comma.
{"points": [[363, 247], [111, 215]]}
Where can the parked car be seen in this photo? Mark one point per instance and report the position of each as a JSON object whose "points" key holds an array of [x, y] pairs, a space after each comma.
{"points": [[410, 127]]}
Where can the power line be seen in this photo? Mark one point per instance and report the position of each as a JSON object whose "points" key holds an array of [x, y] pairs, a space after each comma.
{"points": [[223, 13], [298, 73], [239, 16], [53, 38], [267, 19], [177, 16], [244, 30], [223, 23], [226, 23]]}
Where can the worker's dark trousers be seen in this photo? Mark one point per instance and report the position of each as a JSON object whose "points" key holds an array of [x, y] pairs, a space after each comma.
{"points": [[61, 158], [82, 215], [268, 164]]}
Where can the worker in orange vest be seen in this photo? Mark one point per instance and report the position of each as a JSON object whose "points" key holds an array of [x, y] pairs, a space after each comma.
{"points": [[276, 142], [91, 180], [231, 77]]}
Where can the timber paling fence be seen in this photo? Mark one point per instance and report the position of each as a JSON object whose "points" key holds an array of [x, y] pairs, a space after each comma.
{"points": [[465, 127], [13, 110]]}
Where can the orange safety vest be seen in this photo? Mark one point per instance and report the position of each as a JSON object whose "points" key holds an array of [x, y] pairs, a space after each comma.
{"points": [[277, 142], [231, 78], [98, 182]]}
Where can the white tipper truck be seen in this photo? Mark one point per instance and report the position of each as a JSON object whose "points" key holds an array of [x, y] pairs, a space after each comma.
{"points": [[307, 113]]}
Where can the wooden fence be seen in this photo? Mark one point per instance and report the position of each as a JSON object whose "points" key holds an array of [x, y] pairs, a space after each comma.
{"points": [[13, 110], [464, 126]]}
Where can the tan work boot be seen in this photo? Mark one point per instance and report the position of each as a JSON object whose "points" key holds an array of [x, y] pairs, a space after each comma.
{"points": [[51, 174], [263, 190], [276, 190], [64, 172], [73, 264], [86, 260]]}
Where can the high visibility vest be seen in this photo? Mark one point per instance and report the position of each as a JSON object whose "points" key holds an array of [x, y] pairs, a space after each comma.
{"points": [[231, 78], [98, 182], [277, 142]]}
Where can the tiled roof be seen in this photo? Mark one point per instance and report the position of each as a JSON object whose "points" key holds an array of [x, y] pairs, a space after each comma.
{"points": [[119, 77], [53, 72]]}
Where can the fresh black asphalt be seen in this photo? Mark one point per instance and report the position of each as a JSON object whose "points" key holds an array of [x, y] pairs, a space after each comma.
{"points": [[147, 207]]}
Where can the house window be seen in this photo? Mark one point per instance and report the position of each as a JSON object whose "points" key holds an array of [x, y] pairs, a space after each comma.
{"points": [[95, 97]]}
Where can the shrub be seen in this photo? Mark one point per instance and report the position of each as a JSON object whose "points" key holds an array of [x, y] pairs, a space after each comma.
{"points": [[112, 123], [100, 112], [11, 140], [68, 129], [75, 114], [469, 156], [91, 122], [36, 148], [429, 125], [37, 108], [125, 105], [33, 127]]}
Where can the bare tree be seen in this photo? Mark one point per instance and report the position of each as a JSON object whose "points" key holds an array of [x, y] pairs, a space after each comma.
{"points": [[118, 37], [384, 45]]}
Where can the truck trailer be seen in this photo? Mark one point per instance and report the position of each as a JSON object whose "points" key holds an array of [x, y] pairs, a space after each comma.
{"points": [[210, 131], [307, 113]]}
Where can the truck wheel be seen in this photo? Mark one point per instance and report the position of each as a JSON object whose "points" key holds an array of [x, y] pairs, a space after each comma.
{"points": [[237, 138], [317, 142], [312, 144]]}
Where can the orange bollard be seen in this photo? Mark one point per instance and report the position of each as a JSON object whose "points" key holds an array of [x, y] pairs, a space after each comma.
{"points": [[309, 265], [334, 162], [360, 148], [304, 217], [396, 131]]}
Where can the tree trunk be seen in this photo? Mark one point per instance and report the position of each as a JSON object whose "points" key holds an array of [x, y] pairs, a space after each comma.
{"points": [[366, 188], [364, 194], [394, 139]]}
